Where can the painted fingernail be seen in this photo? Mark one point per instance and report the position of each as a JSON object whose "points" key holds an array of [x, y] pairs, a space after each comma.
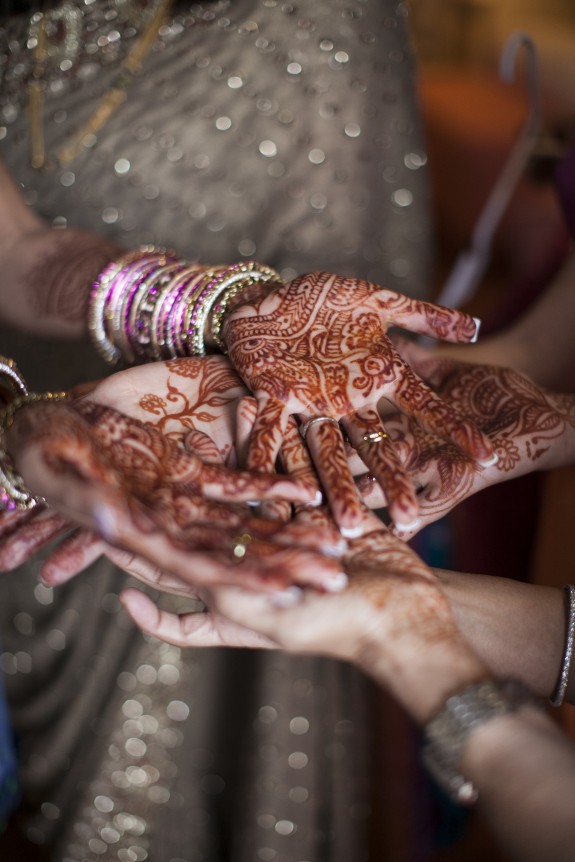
{"points": [[286, 598], [335, 583], [488, 462], [105, 521], [477, 322], [406, 528], [351, 532], [254, 503]]}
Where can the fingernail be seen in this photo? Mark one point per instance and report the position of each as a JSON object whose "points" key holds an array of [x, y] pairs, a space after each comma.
{"points": [[351, 532], [317, 500], [335, 583], [254, 503], [286, 598], [477, 322], [105, 521], [335, 549], [406, 528], [488, 462]]}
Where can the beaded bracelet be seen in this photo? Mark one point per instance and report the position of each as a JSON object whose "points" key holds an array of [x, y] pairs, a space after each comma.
{"points": [[558, 695], [148, 305], [13, 492], [244, 275]]}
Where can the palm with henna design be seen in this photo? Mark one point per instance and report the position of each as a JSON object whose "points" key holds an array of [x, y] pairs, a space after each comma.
{"points": [[319, 346], [165, 484], [530, 429]]}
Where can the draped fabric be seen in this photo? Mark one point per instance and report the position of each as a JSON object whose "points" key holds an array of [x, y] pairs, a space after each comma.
{"points": [[282, 132]]}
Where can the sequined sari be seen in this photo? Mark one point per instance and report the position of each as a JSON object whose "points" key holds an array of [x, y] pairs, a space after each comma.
{"points": [[257, 129]]}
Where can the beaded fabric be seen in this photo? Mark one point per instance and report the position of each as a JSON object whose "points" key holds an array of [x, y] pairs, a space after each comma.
{"points": [[257, 129]]}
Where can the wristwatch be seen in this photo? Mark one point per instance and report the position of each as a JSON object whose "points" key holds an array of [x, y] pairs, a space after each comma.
{"points": [[447, 732]]}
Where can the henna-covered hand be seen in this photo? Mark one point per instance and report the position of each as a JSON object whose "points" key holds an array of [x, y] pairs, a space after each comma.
{"points": [[530, 429], [393, 620], [100, 468], [319, 346]]}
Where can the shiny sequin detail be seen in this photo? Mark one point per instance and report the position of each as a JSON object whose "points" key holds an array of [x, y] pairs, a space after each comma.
{"points": [[277, 131]]}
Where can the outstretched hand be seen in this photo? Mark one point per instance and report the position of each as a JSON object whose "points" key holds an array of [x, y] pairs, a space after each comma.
{"points": [[318, 348], [393, 620], [530, 429], [107, 471]]}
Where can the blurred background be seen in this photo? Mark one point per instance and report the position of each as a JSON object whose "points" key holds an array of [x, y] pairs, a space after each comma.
{"points": [[520, 529]]}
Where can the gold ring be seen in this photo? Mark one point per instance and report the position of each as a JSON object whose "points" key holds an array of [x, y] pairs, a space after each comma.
{"points": [[313, 421], [373, 437], [240, 545]]}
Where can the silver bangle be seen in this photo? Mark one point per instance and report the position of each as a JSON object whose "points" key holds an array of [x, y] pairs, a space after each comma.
{"points": [[558, 695]]}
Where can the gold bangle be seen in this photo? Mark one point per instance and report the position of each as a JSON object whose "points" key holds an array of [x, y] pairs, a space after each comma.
{"points": [[13, 492], [7, 416], [240, 277]]}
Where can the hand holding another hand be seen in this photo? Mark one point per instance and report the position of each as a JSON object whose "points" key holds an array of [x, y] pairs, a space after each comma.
{"points": [[393, 620], [318, 348]]}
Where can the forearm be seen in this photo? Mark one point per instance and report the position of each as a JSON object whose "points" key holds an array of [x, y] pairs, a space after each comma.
{"points": [[45, 275], [50, 273], [524, 770], [517, 629]]}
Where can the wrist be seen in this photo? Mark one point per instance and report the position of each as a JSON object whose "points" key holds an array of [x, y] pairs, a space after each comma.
{"points": [[148, 305], [53, 271], [252, 294], [451, 730], [419, 672]]}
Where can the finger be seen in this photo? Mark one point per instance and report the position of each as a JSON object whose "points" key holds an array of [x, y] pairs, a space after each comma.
{"points": [[313, 530], [433, 369], [71, 557], [280, 511], [434, 414], [426, 318], [311, 527], [25, 542], [295, 456], [327, 450], [246, 413], [267, 435], [197, 443], [220, 483], [189, 630], [298, 565], [368, 436], [371, 491], [239, 559], [11, 521], [265, 441], [150, 574]]}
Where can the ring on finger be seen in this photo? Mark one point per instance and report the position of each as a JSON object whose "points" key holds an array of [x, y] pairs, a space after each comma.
{"points": [[240, 545], [314, 421], [372, 437]]}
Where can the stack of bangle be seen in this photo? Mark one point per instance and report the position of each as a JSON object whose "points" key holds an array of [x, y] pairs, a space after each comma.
{"points": [[149, 305], [13, 492]]}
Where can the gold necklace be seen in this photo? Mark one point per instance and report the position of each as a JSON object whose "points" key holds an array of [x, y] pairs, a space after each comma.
{"points": [[110, 101]]}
